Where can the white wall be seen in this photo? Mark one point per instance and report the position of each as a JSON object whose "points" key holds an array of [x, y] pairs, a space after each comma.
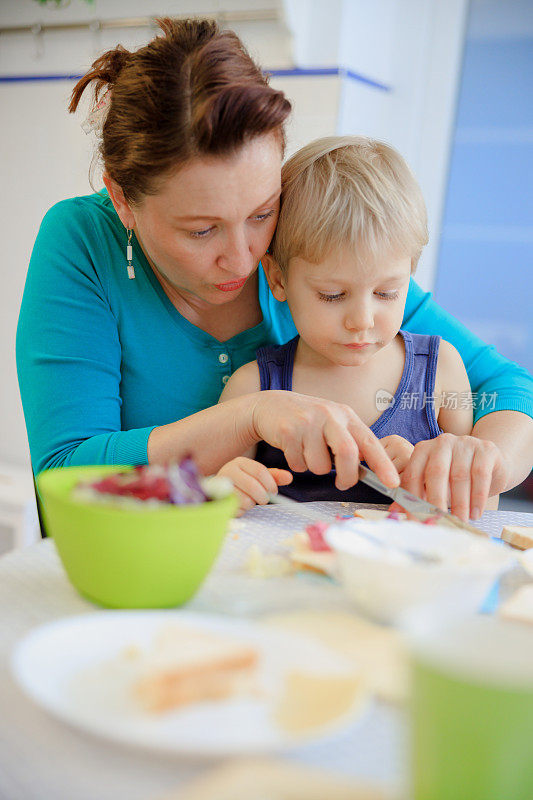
{"points": [[316, 104], [414, 47], [315, 26], [411, 45], [426, 65]]}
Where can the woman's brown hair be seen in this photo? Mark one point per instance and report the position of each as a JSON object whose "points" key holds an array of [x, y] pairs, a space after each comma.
{"points": [[193, 91]]}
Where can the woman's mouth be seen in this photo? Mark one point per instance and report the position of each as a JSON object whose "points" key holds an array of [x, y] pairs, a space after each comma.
{"points": [[231, 286]]}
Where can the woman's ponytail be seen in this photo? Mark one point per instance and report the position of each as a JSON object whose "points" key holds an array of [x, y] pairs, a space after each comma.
{"points": [[104, 72]]}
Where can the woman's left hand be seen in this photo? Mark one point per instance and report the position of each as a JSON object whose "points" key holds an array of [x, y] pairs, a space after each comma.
{"points": [[463, 470]]}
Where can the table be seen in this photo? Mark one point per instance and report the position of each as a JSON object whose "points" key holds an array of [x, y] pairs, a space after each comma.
{"points": [[43, 759]]}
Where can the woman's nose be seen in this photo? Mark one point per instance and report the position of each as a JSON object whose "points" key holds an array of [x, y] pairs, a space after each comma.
{"points": [[237, 256]]}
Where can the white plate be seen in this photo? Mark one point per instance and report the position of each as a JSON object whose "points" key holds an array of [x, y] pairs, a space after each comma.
{"points": [[67, 668]]}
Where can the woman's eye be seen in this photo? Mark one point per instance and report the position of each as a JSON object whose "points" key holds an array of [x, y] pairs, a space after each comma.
{"points": [[200, 234], [387, 295], [256, 218], [330, 298]]}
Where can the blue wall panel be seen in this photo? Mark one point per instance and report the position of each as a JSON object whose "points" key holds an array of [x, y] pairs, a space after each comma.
{"points": [[496, 82], [485, 265], [489, 185]]}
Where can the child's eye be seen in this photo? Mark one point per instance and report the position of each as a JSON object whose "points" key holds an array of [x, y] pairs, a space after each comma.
{"points": [[387, 295], [261, 217], [200, 234], [330, 298]]}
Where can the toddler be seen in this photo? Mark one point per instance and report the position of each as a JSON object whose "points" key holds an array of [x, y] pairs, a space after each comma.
{"points": [[351, 229]]}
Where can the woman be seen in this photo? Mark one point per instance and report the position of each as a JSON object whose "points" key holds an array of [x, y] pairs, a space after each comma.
{"points": [[140, 302]]}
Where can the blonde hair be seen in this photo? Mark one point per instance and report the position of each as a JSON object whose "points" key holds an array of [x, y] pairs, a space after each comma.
{"points": [[349, 191]]}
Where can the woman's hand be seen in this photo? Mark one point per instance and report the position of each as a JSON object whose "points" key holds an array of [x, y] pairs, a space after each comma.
{"points": [[399, 451], [308, 428], [462, 468], [253, 481]]}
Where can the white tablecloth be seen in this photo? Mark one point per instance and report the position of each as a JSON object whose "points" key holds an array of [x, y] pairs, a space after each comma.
{"points": [[43, 759]]}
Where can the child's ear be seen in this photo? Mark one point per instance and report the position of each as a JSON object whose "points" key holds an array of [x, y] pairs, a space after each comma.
{"points": [[275, 277]]}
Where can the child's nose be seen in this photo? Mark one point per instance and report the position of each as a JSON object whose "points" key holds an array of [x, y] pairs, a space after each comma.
{"points": [[359, 318]]}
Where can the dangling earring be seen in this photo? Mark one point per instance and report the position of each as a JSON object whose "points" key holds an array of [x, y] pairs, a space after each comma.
{"points": [[129, 255]]}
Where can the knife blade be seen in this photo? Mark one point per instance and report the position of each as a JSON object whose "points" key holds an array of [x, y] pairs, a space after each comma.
{"points": [[412, 503]]}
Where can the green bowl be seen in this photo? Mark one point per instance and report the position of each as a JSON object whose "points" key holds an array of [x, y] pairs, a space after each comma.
{"points": [[131, 558]]}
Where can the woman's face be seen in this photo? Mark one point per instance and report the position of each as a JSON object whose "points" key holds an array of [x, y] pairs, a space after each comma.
{"points": [[210, 223]]}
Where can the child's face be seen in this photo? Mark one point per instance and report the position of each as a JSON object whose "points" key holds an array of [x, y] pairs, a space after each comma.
{"points": [[347, 309]]}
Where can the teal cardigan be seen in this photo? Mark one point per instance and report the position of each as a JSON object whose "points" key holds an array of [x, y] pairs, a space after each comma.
{"points": [[102, 359]]}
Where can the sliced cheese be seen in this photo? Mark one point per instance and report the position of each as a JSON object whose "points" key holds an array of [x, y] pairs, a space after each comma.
{"points": [[310, 701], [519, 536], [378, 652]]}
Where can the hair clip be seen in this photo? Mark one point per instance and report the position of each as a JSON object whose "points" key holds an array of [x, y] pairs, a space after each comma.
{"points": [[96, 117]]}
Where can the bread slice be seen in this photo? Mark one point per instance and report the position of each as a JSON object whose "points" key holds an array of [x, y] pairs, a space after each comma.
{"points": [[520, 605], [303, 556], [519, 536], [187, 665]]}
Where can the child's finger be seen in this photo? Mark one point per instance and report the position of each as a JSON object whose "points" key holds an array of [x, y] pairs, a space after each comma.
{"points": [[282, 476], [255, 487], [245, 502], [400, 462], [265, 482]]}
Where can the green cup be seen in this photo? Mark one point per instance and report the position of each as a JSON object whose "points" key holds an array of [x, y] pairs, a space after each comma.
{"points": [[471, 709], [124, 557]]}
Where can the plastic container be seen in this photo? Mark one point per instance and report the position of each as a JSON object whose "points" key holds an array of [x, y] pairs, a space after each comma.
{"points": [[124, 557], [384, 582]]}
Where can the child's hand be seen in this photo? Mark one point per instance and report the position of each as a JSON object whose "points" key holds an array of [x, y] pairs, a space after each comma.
{"points": [[399, 450], [460, 469], [253, 481]]}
